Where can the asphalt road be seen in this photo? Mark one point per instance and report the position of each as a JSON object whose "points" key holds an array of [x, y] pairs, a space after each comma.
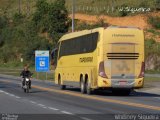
{"points": [[45, 102]]}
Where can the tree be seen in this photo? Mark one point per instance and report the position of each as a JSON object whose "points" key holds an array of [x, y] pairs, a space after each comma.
{"points": [[3, 24], [52, 18], [158, 4], [58, 17]]}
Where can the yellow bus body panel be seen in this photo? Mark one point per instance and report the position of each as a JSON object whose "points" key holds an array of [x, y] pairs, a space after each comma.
{"points": [[71, 67]]}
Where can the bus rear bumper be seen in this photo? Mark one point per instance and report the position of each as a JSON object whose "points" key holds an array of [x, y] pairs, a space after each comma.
{"points": [[139, 83], [130, 84]]}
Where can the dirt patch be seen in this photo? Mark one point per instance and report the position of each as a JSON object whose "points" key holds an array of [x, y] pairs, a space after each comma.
{"points": [[137, 20], [140, 21]]}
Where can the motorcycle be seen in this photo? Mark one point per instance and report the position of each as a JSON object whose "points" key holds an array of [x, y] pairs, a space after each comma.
{"points": [[26, 84]]}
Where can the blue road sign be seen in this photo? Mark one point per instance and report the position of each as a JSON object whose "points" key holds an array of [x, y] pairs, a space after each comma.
{"points": [[42, 61]]}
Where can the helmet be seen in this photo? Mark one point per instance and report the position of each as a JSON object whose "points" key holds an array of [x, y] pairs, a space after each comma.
{"points": [[26, 67]]}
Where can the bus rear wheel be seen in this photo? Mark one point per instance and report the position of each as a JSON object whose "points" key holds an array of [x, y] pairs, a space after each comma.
{"points": [[62, 87], [82, 86], [88, 88]]}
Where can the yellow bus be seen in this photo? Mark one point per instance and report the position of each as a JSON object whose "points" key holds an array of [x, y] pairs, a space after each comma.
{"points": [[102, 58]]}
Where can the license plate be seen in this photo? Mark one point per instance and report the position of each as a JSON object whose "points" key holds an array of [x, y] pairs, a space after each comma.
{"points": [[122, 82]]}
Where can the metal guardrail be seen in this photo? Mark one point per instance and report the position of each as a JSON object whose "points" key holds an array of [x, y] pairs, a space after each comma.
{"points": [[152, 75], [52, 72], [16, 71]]}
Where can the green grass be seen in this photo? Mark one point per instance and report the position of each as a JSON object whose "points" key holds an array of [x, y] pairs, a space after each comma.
{"points": [[44, 76], [152, 79], [153, 31], [50, 76], [152, 71], [97, 7], [149, 82], [17, 71], [11, 64], [154, 21]]}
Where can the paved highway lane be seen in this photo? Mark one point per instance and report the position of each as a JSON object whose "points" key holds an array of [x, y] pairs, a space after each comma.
{"points": [[46, 98]]}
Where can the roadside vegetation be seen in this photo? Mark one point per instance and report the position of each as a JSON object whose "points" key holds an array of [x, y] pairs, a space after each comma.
{"points": [[16, 72], [155, 21], [94, 7], [21, 35], [50, 75], [38, 24]]}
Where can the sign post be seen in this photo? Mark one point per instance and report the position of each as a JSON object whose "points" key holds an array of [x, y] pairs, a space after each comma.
{"points": [[42, 61]]}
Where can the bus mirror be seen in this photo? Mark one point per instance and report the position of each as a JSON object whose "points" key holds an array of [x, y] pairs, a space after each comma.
{"points": [[52, 62], [54, 56]]}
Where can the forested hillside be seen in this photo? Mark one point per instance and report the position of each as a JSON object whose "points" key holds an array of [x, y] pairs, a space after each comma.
{"points": [[28, 25]]}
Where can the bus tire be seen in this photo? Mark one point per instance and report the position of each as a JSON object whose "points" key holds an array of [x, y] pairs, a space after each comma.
{"points": [[82, 86], [62, 87], [88, 88]]}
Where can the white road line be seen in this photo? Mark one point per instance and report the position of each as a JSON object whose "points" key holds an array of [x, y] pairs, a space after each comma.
{"points": [[41, 105], [6, 93], [17, 97], [65, 112], [157, 98], [44, 107], [11, 95], [84, 118], [52, 108], [33, 102], [1, 91]]}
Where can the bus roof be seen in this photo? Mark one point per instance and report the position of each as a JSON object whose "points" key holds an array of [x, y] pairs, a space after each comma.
{"points": [[84, 32], [79, 33], [130, 27]]}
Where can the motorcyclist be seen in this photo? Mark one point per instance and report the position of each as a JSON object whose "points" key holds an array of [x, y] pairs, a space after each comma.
{"points": [[26, 73]]}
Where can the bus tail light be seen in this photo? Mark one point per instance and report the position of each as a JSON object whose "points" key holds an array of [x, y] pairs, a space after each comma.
{"points": [[102, 70], [142, 70]]}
